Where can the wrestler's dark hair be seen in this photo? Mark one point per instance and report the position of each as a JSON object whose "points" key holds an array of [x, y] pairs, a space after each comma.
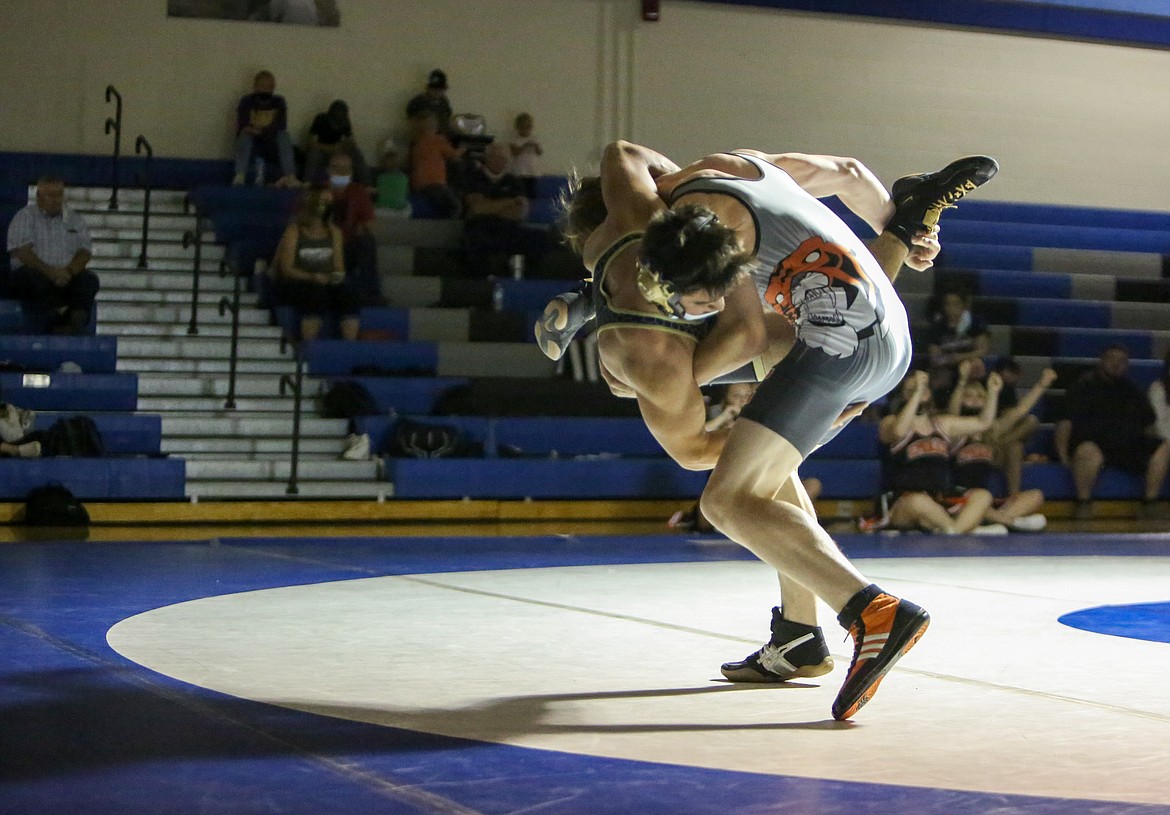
{"points": [[691, 250], [582, 209]]}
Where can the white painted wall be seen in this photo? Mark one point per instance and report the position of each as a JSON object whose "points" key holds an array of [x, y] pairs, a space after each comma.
{"points": [[1071, 122]]}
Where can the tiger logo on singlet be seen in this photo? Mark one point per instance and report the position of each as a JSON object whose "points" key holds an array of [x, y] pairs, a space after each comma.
{"points": [[824, 292]]}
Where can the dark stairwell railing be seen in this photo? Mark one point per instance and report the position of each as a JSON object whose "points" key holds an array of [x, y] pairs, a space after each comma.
{"points": [[114, 125], [141, 145], [231, 304], [294, 382]]}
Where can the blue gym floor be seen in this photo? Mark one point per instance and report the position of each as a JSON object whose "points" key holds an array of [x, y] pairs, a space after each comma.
{"points": [[570, 676]]}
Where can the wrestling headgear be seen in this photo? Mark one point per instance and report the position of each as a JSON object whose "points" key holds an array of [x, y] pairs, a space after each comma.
{"points": [[662, 293]]}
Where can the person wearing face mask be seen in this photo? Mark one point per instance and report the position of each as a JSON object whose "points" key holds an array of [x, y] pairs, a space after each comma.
{"points": [[331, 132], [310, 267], [353, 213], [722, 235], [262, 131]]}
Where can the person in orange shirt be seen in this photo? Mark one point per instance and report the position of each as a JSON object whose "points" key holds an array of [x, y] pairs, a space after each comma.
{"points": [[430, 153]]}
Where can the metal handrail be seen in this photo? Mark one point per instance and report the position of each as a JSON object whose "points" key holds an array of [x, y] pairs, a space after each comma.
{"points": [[231, 304], [115, 124], [142, 145], [294, 382], [195, 237]]}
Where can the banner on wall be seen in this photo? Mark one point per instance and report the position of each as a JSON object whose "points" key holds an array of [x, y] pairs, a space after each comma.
{"points": [[296, 12], [1138, 22]]}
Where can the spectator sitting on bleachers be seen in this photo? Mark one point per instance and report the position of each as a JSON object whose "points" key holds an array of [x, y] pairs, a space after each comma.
{"points": [[391, 184], [494, 208], [1159, 395], [311, 269], [331, 132], [50, 247], [1014, 423], [430, 154], [15, 428], [918, 468], [262, 131], [1110, 423], [353, 213], [525, 148], [955, 335], [976, 457]]}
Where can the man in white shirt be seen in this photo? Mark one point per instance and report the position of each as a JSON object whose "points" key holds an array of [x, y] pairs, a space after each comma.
{"points": [[50, 248]]}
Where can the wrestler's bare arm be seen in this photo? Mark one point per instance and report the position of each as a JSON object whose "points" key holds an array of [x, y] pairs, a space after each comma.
{"points": [[631, 198], [654, 366], [738, 336], [847, 178]]}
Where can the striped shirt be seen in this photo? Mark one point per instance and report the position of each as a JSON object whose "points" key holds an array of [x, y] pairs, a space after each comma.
{"points": [[54, 239]]}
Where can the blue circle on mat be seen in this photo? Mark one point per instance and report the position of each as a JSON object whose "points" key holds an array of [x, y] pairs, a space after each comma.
{"points": [[1143, 621]]}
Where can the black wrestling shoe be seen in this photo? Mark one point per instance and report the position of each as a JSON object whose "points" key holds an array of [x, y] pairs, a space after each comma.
{"points": [[920, 199], [883, 631], [795, 650], [562, 319]]}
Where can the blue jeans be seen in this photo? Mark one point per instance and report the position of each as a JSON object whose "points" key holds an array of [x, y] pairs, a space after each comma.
{"points": [[249, 147]]}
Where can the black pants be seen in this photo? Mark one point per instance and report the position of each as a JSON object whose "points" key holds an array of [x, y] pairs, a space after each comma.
{"points": [[37, 292]]}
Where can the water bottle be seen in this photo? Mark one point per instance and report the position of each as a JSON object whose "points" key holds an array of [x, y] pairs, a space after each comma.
{"points": [[516, 264], [497, 297], [259, 164]]}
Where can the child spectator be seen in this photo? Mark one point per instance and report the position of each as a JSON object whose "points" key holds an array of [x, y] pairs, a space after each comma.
{"points": [[430, 152], [524, 149], [391, 184]]}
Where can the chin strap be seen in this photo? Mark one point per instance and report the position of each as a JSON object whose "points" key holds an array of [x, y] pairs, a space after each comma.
{"points": [[660, 292]]}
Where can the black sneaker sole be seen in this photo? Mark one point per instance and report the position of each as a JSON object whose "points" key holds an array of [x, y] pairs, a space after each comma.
{"points": [[744, 673], [910, 627]]}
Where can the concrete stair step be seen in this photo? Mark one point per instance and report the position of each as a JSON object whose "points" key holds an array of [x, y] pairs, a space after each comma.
{"points": [[156, 234], [209, 253], [278, 469], [133, 220], [233, 425], [174, 330], [114, 312], [207, 447], [166, 297], [306, 489], [209, 404], [101, 265], [140, 365], [199, 347], [168, 280], [155, 385], [129, 198]]}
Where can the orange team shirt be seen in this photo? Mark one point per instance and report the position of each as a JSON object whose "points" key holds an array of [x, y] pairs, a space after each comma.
{"points": [[429, 157]]}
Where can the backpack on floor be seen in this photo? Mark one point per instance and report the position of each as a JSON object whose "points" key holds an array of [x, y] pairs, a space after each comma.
{"points": [[76, 436], [54, 505]]}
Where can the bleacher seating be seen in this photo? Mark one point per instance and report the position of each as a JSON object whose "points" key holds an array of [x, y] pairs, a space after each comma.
{"points": [[75, 392]]}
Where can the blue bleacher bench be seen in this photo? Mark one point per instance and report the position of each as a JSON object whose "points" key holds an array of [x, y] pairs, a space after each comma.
{"points": [[82, 393], [542, 478], [340, 357], [46, 353], [408, 394], [133, 434], [95, 478]]}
